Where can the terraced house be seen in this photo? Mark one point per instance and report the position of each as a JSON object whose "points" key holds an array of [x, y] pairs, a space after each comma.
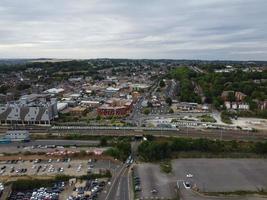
{"points": [[29, 109]]}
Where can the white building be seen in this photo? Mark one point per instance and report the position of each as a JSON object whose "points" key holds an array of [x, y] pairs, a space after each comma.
{"points": [[236, 105], [30, 109], [17, 135]]}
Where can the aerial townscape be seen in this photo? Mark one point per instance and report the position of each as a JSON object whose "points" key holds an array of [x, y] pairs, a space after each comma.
{"points": [[133, 100]]}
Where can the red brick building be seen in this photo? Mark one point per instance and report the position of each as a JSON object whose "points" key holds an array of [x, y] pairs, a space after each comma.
{"points": [[115, 107]]}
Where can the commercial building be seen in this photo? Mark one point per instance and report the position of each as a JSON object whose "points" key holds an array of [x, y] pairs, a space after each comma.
{"points": [[54, 91], [29, 109], [115, 107]]}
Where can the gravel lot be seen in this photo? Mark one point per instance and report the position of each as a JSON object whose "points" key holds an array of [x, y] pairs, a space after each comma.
{"points": [[220, 175], [260, 124]]}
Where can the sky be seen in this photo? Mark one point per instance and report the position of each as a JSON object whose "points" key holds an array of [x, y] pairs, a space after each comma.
{"points": [[153, 29]]}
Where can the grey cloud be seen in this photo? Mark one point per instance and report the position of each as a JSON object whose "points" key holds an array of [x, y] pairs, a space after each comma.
{"points": [[192, 29]]}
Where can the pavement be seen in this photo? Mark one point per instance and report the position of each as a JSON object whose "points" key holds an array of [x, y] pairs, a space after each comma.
{"points": [[209, 175], [42, 145], [120, 187], [152, 179], [69, 167], [186, 194], [223, 175]]}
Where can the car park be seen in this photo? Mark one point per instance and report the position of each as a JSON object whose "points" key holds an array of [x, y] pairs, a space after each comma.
{"points": [[43, 193]]}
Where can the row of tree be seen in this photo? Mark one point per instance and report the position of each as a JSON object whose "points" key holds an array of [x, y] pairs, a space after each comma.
{"points": [[158, 150]]}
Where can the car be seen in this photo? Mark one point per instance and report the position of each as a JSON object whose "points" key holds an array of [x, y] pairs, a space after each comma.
{"points": [[137, 188], [187, 185], [154, 191], [189, 175]]}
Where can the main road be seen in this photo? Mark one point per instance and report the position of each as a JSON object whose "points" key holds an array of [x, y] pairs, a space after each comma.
{"points": [[120, 186]]}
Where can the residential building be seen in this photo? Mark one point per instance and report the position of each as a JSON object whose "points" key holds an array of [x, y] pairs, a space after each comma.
{"points": [[236, 105], [240, 96]]}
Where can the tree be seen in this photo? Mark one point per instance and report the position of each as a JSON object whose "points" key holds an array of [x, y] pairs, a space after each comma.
{"points": [[171, 111], [162, 84], [149, 104], [169, 101], [103, 141], [231, 96], [146, 111]]}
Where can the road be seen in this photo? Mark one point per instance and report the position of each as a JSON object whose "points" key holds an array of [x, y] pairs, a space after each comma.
{"points": [[135, 115], [120, 188]]}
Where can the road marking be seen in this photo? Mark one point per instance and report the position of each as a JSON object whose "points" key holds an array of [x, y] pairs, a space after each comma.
{"points": [[129, 187], [115, 180]]}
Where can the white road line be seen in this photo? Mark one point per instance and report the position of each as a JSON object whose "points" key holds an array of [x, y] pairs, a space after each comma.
{"points": [[123, 168]]}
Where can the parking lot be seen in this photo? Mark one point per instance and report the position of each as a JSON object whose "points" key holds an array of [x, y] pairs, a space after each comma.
{"points": [[51, 167], [82, 190], [47, 146], [208, 175], [153, 183], [223, 175]]}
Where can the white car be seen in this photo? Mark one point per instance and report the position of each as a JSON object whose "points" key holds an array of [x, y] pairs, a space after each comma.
{"points": [[189, 175], [187, 185]]}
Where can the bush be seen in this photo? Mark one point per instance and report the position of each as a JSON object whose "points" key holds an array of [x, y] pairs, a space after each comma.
{"points": [[120, 150], [166, 167], [146, 111]]}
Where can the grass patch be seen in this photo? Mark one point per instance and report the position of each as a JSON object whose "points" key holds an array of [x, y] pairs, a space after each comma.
{"points": [[226, 118], [207, 118], [166, 167]]}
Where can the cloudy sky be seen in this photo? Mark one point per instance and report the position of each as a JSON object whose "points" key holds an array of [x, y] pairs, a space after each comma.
{"points": [[178, 29]]}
